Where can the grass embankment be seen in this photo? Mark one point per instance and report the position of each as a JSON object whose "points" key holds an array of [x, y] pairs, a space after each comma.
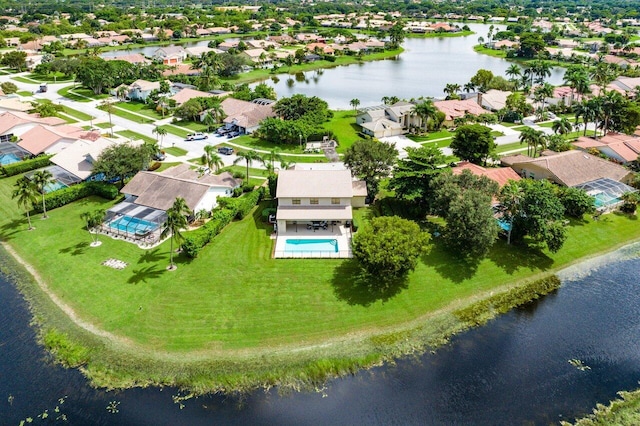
{"points": [[136, 136], [140, 108], [80, 94], [234, 318], [264, 73], [619, 412]]}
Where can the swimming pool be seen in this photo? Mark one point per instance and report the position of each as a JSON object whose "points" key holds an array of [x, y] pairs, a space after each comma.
{"points": [[54, 186], [602, 200], [8, 159], [301, 246], [132, 225]]}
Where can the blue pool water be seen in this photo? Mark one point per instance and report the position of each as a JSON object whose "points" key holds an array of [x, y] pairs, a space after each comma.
{"points": [[132, 225], [602, 199], [54, 186], [298, 246], [506, 226], [8, 159]]}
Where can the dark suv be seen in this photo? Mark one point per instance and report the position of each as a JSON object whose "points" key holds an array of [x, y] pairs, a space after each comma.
{"points": [[226, 150]]}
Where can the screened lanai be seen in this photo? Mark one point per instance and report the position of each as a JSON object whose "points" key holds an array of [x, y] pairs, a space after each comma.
{"points": [[61, 178], [606, 192], [134, 222], [12, 153]]}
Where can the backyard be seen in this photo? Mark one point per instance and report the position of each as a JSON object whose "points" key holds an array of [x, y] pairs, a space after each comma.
{"points": [[249, 304]]}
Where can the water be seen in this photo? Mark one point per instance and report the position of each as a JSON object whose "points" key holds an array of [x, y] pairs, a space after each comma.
{"points": [[132, 224], [513, 371], [296, 246], [423, 69], [8, 159], [54, 186]]}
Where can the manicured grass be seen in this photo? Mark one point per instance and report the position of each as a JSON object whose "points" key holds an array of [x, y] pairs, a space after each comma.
{"points": [[134, 135], [81, 116], [175, 151], [506, 124], [252, 142], [131, 116], [66, 118], [511, 147], [140, 108], [24, 80], [175, 130], [548, 124], [344, 127], [104, 125], [192, 125], [496, 134], [24, 93], [491, 52], [80, 94], [253, 173], [519, 127], [166, 165], [440, 134], [578, 133], [55, 77]]}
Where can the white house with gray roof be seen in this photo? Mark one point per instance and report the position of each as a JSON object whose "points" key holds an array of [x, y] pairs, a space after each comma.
{"points": [[387, 120]]}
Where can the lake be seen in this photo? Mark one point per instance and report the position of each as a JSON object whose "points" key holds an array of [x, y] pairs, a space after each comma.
{"points": [[423, 69], [515, 370]]}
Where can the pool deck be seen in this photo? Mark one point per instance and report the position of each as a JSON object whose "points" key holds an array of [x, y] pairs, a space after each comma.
{"points": [[338, 232]]}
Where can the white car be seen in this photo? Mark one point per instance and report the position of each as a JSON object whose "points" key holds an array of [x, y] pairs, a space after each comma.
{"points": [[196, 136]]}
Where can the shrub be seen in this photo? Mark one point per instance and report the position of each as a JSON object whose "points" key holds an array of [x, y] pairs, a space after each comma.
{"points": [[70, 194], [155, 166], [267, 212], [25, 166]]}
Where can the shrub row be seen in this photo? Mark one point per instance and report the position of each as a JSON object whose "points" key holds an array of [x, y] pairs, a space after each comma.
{"points": [[229, 208], [481, 312], [70, 194], [25, 166]]}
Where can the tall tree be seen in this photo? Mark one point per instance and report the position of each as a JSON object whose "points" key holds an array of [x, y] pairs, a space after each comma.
{"points": [[248, 157], [425, 110], [211, 159], [370, 160], [532, 138], [176, 221], [91, 220], [160, 133], [511, 196], [26, 194], [562, 126], [354, 103], [41, 179], [122, 161], [473, 143]]}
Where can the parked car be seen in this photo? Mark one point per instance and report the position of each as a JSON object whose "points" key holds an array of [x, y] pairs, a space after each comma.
{"points": [[226, 150], [233, 135], [196, 136], [158, 156]]}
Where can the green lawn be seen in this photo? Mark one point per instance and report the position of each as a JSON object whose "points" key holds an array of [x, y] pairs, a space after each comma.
{"points": [[548, 124], [132, 117], [175, 130], [104, 125], [140, 108], [81, 116], [242, 168], [25, 80], [344, 127], [511, 147], [440, 134], [491, 52], [54, 77], [166, 165], [80, 94], [192, 125], [24, 93], [175, 151], [249, 301], [135, 136]]}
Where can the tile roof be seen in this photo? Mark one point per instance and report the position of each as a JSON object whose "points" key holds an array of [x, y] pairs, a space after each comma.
{"points": [[78, 157], [38, 139], [185, 94], [457, 108], [314, 183], [10, 119], [245, 114], [501, 175]]}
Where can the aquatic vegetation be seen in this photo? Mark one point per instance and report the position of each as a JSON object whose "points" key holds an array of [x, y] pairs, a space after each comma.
{"points": [[580, 365]]}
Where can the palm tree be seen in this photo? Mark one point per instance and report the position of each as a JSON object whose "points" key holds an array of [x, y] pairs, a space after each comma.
{"points": [[93, 219], [469, 87], [542, 93], [425, 110], [211, 159], [584, 109], [26, 193], [176, 221], [532, 138], [513, 72], [541, 70], [160, 133], [355, 103], [41, 179], [451, 89], [215, 109], [108, 106], [562, 126], [209, 121], [269, 160], [510, 197], [249, 157], [121, 92]]}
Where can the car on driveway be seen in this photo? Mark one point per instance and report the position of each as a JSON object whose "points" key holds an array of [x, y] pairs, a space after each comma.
{"points": [[159, 156], [233, 135], [196, 136], [226, 150]]}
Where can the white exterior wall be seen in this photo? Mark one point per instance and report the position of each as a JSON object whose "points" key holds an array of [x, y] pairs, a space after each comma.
{"points": [[210, 199], [306, 202], [59, 146], [20, 129]]}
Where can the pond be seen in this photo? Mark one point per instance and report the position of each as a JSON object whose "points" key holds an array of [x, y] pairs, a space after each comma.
{"points": [[515, 370]]}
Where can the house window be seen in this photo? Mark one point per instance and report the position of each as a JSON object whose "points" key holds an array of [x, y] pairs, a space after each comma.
{"points": [[313, 201], [335, 201], [295, 201]]}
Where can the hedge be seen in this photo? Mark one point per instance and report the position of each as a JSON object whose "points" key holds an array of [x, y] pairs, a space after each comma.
{"points": [[70, 194], [25, 165], [229, 208]]}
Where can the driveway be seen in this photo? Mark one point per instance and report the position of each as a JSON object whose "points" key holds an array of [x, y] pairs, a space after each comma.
{"points": [[402, 142]]}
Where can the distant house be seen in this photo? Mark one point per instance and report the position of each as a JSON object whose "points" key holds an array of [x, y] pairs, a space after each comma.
{"points": [[45, 139], [170, 55], [387, 120], [568, 168], [79, 157], [132, 58], [185, 94], [617, 146], [500, 175], [257, 56], [16, 123], [454, 108], [494, 100], [246, 115], [140, 90], [159, 190]]}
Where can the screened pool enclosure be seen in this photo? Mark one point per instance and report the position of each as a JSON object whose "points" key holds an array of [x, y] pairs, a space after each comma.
{"points": [[606, 192], [134, 223]]}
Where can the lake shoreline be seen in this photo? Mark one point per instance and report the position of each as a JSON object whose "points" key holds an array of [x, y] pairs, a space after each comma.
{"points": [[116, 363]]}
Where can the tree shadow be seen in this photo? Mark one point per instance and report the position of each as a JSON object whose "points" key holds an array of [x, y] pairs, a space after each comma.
{"points": [[75, 249], [450, 266], [151, 256], [356, 287], [511, 257], [145, 273], [257, 218], [13, 227]]}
